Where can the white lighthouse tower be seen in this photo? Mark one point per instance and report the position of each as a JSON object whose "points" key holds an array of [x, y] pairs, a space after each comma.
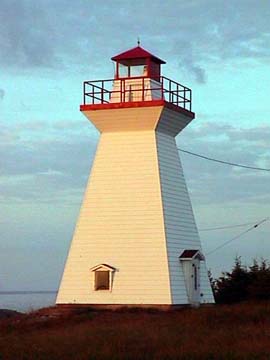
{"points": [[136, 241]]}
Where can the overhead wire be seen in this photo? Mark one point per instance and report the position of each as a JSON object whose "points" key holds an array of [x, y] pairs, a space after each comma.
{"points": [[226, 227], [231, 226], [222, 161], [238, 236]]}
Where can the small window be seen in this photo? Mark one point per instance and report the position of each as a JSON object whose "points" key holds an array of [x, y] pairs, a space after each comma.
{"points": [[102, 280], [102, 277]]}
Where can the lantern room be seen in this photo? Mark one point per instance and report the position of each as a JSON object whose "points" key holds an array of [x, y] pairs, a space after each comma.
{"points": [[137, 81], [137, 62]]}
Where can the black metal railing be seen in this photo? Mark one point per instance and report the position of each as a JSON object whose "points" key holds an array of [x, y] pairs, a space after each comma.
{"points": [[137, 89]]}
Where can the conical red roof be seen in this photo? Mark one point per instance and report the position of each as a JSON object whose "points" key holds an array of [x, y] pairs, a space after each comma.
{"points": [[136, 53]]}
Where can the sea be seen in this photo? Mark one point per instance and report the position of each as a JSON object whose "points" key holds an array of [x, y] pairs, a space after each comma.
{"points": [[26, 301]]}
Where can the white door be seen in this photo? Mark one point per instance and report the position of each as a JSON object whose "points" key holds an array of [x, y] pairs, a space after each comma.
{"points": [[195, 282]]}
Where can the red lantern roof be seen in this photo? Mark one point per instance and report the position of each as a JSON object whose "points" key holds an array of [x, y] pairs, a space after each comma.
{"points": [[137, 53]]}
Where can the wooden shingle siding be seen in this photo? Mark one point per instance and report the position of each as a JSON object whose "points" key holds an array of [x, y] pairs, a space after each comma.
{"points": [[180, 226]]}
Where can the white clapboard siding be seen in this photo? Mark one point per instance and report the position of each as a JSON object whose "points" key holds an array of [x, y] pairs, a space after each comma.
{"points": [[136, 214], [180, 226], [120, 224], [136, 90]]}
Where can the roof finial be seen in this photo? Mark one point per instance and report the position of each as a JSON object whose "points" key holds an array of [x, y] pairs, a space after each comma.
{"points": [[138, 41]]}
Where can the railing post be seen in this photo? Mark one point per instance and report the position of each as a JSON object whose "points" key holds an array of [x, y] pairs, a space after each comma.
{"points": [[190, 107], [102, 92], [143, 89], [170, 91], [93, 94], [84, 96], [184, 97], [120, 91]]}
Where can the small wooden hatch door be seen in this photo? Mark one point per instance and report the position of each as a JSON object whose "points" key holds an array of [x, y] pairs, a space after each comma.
{"points": [[103, 277]]}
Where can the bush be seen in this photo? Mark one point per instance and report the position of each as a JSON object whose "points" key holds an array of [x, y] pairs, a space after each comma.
{"points": [[243, 283]]}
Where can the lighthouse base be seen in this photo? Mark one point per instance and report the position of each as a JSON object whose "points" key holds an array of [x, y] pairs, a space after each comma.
{"points": [[122, 307]]}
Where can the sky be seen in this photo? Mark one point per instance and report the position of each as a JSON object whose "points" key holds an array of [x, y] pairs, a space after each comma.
{"points": [[220, 49]]}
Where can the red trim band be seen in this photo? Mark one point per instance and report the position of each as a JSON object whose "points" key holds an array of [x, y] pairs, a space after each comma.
{"points": [[132, 104]]}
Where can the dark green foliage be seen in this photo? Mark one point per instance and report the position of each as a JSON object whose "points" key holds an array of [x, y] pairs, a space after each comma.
{"points": [[243, 283]]}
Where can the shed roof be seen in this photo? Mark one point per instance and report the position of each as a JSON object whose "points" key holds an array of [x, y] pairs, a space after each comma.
{"points": [[137, 53], [191, 254]]}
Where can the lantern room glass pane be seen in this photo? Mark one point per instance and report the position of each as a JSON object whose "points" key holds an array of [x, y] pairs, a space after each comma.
{"points": [[138, 70], [123, 70]]}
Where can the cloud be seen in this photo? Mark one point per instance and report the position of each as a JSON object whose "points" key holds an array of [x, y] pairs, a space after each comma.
{"points": [[67, 156], [45, 161], [55, 34], [2, 94], [199, 73], [213, 183], [26, 35], [187, 62]]}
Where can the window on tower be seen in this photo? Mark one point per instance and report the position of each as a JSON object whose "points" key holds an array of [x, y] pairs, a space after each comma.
{"points": [[102, 280], [103, 277]]}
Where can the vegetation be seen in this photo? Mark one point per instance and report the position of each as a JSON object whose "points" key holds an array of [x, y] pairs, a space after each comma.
{"points": [[239, 331], [243, 283]]}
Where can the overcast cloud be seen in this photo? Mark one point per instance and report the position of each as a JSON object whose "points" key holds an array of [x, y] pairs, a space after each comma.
{"points": [[199, 31]]}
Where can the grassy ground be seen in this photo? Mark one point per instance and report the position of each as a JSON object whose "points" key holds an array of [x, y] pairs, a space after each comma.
{"points": [[222, 332]]}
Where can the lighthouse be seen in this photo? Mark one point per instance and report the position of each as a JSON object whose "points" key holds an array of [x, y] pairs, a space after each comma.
{"points": [[136, 242]]}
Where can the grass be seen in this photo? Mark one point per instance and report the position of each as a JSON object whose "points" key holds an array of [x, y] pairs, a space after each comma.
{"points": [[232, 332]]}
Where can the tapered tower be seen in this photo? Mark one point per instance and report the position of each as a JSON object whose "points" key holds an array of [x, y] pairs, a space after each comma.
{"points": [[136, 241]]}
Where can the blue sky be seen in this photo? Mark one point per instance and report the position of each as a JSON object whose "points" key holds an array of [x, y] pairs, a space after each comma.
{"points": [[48, 48]]}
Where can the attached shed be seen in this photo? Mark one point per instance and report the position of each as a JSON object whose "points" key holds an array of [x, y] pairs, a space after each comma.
{"points": [[190, 261]]}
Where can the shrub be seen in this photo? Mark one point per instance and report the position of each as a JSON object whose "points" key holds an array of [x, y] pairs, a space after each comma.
{"points": [[243, 283]]}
